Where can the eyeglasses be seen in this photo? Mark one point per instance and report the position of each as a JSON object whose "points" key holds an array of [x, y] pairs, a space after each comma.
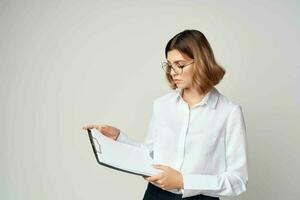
{"points": [[178, 69]]}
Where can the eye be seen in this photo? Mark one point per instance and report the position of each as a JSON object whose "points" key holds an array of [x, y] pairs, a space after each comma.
{"points": [[180, 65]]}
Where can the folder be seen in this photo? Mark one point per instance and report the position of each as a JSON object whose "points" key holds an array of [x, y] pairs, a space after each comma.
{"points": [[120, 156]]}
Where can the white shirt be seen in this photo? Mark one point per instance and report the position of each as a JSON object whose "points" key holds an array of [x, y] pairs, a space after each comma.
{"points": [[207, 143]]}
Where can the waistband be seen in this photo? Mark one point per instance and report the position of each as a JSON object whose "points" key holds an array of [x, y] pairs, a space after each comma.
{"points": [[164, 193]]}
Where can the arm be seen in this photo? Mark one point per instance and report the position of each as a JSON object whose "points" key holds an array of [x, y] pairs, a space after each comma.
{"points": [[234, 180], [148, 142]]}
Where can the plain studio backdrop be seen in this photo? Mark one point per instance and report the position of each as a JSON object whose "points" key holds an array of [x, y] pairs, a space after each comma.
{"points": [[65, 64]]}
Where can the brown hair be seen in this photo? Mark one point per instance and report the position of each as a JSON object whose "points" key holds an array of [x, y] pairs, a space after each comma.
{"points": [[206, 71]]}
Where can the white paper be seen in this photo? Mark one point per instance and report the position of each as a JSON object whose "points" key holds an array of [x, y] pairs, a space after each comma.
{"points": [[124, 156]]}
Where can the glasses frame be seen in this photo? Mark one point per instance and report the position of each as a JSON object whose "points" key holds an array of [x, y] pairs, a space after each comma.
{"points": [[179, 67]]}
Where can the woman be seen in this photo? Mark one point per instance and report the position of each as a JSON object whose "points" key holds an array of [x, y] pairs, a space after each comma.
{"points": [[196, 135]]}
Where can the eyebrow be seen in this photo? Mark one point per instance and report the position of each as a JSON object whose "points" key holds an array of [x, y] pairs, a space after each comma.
{"points": [[176, 61]]}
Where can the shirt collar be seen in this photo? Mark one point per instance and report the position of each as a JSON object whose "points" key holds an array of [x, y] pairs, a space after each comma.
{"points": [[211, 98]]}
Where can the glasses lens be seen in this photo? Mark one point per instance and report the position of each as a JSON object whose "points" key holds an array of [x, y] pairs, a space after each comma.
{"points": [[177, 68], [166, 67]]}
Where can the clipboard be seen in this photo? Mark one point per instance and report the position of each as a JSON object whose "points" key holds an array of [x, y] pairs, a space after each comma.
{"points": [[96, 146]]}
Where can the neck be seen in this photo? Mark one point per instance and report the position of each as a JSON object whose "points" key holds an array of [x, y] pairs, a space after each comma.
{"points": [[192, 95]]}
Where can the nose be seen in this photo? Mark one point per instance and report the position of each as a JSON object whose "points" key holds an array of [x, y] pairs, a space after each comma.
{"points": [[172, 72]]}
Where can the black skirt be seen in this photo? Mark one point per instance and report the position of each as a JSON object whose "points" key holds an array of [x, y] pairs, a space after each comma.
{"points": [[156, 193]]}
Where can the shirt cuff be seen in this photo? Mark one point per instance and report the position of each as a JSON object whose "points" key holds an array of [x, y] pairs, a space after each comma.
{"points": [[124, 138], [121, 137], [212, 185], [192, 184]]}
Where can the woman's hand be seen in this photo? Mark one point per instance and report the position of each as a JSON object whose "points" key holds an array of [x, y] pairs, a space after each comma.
{"points": [[168, 179], [107, 130]]}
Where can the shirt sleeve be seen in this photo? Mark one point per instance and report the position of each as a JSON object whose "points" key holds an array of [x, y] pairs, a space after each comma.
{"points": [[234, 180], [149, 138]]}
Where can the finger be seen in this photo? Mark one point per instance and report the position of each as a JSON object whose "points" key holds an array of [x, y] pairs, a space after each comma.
{"points": [[85, 127], [96, 126], [154, 178], [89, 126], [158, 166], [159, 182]]}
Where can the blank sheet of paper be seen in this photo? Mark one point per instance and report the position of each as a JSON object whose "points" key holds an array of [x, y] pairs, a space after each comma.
{"points": [[123, 156]]}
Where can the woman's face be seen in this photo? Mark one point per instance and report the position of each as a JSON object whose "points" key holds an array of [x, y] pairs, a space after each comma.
{"points": [[185, 79]]}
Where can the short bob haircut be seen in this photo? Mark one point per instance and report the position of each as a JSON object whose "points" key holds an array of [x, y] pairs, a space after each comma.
{"points": [[192, 44]]}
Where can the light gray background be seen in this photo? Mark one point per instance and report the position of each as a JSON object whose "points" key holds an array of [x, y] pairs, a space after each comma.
{"points": [[64, 64]]}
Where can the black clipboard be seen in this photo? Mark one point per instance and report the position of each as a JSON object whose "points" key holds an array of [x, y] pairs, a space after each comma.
{"points": [[107, 165]]}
